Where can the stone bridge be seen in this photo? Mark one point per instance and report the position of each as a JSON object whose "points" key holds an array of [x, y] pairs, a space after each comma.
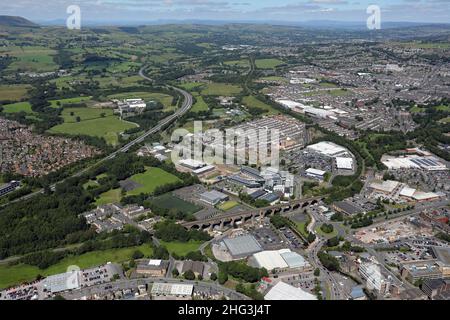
{"points": [[230, 219]]}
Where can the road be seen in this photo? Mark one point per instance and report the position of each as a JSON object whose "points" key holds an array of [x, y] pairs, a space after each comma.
{"points": [[185, 107]]}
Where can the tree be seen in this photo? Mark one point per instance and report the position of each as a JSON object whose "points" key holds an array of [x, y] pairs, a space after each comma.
{"points": [[78, 119], [317, 272], [223, 277], [189, 275], [175, 272], [213, 276], [137, 255]]}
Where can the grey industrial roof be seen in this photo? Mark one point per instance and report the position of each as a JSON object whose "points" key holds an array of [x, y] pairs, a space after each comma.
{"points": [[270, 197], [242, 245], [348, 207], [213, 196], [293, 259], [442, 254]]}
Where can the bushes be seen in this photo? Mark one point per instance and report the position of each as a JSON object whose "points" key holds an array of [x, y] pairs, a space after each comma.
{"points": [[328, 261], [169, 231], [241, 271]]}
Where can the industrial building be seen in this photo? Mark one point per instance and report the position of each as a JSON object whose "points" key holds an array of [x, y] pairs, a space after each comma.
{"points": [[329, 149], [213, 197], [284, 291], [197, 267], [172, 289], [344, 163], [428, 163], [242, 246], [279, 260], [152, 268], [315, 173], [62, 282]]}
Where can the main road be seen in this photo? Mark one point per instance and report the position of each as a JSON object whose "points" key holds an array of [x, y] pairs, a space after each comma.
{"points": [[185, 107]]}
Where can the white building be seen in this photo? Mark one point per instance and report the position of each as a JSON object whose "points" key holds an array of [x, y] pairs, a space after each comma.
{"points": [[284, 291]]}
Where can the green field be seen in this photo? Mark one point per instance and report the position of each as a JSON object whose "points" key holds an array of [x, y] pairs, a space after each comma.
{"points": [[181, 248], [244, 63], [221, 89], [445, 120], [18, 107], [268, 63], [190, 86], [443, 108], [16, 274], [416, 109], [251, 101], [274, 78], [92, 124], [326, 235], [151, 179], [200, 105], [111, 196], [31, 59], [339, 92], [54, 103], [169, 201], [14, 92], [228, 205]]}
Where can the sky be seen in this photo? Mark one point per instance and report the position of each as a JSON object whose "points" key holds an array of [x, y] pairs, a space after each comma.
{"points": [[230, 10]]}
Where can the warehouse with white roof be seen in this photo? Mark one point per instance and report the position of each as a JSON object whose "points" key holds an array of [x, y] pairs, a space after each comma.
{"points": [[279, 260], [284, 291], [329, 149]]}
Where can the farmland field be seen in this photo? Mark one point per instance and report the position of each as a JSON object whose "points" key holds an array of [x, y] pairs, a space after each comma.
{"points": [[31, 59], [92, 124], [251, 101], [221, 89], [151, 179], [54, 103], [228, 205], [12, 275], [13, 92], [200, 105], [268, 63], [18, 107]]}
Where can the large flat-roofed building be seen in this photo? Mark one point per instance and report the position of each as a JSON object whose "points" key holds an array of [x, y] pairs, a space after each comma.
{"points": [[172, 289], [428, 163], [284, 291], [197, 267], [152, 268], [344, 163], [62, 282], [280, 260], [213, 197], [242, 246], [315, 173], [329, 149], [191, 164], [388, 186], [416, 270], [348, 208]]}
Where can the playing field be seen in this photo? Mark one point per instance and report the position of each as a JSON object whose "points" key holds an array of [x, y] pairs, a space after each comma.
{"points": [[151, 179], [268, 63], [12, 275], [93, 122], [13, 92], [169, 201], [18, 107], [244, 63], [181, 248], [111, 196], [228, 205], [221, 89]]}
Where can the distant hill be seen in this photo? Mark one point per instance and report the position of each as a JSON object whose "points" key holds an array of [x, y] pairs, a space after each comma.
{"points": [[10, 21]]}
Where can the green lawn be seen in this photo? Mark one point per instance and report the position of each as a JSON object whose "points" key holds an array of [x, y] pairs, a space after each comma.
{"points": [[92, 124], [111, 196], [18, 107], [14, 92], [268, 63], [339, 92], [326, 235], [181, 248], [16, 274], [151, 179], [416, 109], [190, 86], [228, 205], [169, 201], [445, 120], [221, 89], [251, 101], [443, 108]]}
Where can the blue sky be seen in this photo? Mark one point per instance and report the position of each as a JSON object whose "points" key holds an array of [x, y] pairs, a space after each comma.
{"points": [[258, 10]]}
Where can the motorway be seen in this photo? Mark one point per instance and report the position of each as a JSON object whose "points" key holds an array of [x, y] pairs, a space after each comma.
{"points": [[185, 107]]}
